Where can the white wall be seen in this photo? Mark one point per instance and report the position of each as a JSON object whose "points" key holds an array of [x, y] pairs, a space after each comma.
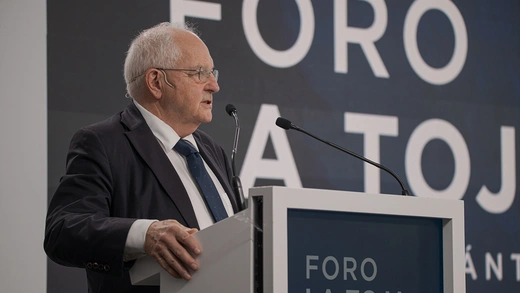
{"points": [[23, 145]]}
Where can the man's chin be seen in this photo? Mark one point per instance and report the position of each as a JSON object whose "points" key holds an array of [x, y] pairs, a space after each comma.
{"points": [[207, 119]]}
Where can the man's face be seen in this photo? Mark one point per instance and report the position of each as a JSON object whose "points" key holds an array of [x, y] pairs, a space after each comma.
{"points": [[190, 101]]}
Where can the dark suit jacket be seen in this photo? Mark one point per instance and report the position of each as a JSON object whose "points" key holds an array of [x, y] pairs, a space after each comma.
{"points": [[116, 173]]}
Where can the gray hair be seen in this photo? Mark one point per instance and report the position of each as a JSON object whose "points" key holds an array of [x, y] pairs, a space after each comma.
{"points": [[154, 47]]}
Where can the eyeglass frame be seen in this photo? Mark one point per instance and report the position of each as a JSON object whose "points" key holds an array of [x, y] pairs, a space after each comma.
{"points": [[199, 72]]}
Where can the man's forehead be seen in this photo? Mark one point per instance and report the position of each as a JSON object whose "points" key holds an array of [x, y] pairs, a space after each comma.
{"points": [[195, 51], [186, 37]]}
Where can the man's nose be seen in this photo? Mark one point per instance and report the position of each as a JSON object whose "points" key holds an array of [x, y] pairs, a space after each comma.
{"points": [[212, 84]]}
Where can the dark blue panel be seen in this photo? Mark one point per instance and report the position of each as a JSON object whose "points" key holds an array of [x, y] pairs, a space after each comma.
{"points": [[406, 251]]}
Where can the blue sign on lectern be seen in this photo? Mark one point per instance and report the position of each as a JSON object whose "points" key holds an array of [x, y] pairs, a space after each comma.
{"points": [[342, 252]]}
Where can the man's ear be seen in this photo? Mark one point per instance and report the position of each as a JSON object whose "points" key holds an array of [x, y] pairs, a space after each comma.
{"points": [[152, 79]]}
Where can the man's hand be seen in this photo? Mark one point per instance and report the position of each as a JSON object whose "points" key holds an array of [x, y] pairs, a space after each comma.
{"points": [[170, 243]]}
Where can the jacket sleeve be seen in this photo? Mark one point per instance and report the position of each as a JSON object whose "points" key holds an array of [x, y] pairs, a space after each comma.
{"points": [[80, 231]]}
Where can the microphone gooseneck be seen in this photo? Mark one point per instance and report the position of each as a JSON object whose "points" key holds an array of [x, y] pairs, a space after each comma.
{"points": [[232, 111], [286, 124], [235, 180]]}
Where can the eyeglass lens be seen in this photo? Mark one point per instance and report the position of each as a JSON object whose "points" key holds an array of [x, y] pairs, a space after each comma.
{"points": [[204, 74]]}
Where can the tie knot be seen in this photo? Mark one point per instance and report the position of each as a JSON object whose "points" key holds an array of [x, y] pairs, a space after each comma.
{"points": [[184, 148]]}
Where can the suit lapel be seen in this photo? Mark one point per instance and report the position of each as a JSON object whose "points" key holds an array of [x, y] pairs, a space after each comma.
{"points": [[149, 149]]}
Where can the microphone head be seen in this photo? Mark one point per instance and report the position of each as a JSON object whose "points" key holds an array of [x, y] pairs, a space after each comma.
{"points": [[284, 123], [230, 109]]}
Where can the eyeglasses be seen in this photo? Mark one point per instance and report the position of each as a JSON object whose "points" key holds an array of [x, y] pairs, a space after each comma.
{"points": [[203, 73]]}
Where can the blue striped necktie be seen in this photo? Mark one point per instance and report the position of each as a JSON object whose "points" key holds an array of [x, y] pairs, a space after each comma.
{"points": [[206, 186]]}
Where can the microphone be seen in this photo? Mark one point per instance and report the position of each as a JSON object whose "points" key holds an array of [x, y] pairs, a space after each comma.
{"points": [[235, 180], [286, 124]]}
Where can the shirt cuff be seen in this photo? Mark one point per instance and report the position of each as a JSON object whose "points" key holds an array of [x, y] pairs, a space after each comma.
{"points": [[134, 246]]}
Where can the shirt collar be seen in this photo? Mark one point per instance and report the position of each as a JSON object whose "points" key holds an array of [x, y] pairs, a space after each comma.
{"points": [[162, 131]]}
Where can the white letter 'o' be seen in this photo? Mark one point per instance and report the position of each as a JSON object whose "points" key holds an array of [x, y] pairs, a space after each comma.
{"points": [[429, 74], [424, 133], [275, 58]]}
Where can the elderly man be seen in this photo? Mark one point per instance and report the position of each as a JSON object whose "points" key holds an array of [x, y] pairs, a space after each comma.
{"points": [[143, 181]]}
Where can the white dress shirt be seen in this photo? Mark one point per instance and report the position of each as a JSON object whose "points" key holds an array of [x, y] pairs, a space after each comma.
{"points": [[167, 138]]}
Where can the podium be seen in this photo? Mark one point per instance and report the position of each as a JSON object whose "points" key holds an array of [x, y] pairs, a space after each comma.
{"points": [[322, 241]]}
